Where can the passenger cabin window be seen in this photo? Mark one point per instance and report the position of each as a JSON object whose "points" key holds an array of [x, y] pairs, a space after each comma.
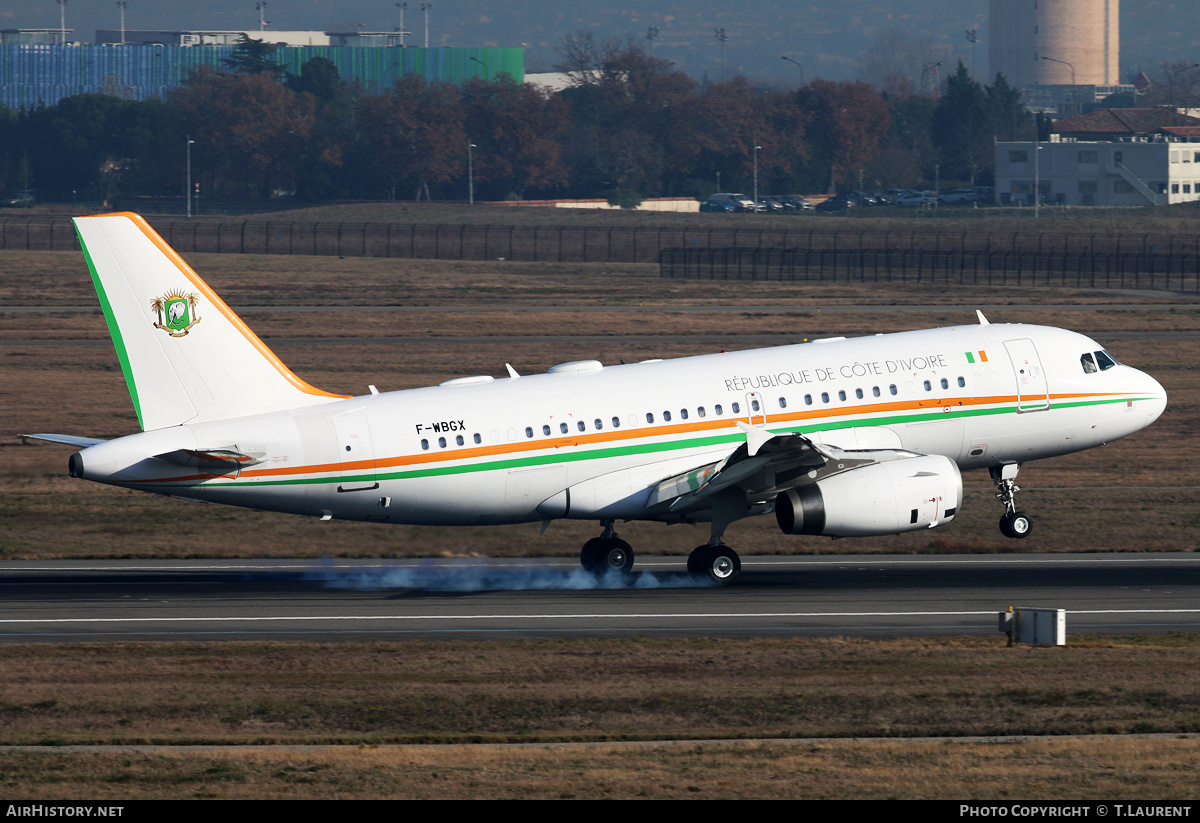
{"points": [[892, 388], [858, 393], [649, 417], [717, 408], [546, 431], [616, 422], [562, 427], [442, 442], [582, 426], [478, 439], [683, 414], [667, 416], [598, 424], [824, 397], [783, 402], [737, 409], [754, 405], [875, 391], [842, 395], [424, 445], [529, 431], [459, 440], [700, 412], [1088, 363], [808, 399]]}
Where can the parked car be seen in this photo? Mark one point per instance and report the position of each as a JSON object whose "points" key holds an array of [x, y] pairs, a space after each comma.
{"points": [[951, 196], [24, 200], [713, 205], [740, 202], [770, 205], [796, 202], [860, 198], [837, 203], [910, 198]]}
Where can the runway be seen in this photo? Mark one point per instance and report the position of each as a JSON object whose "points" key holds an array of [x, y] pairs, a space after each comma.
{"points": [[853, 596]]}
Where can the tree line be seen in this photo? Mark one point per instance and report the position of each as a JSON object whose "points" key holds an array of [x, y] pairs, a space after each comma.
{"points": [[630, 127]]}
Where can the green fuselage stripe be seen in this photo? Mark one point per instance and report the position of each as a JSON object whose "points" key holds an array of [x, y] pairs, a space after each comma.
{"points": [[561, 456]]}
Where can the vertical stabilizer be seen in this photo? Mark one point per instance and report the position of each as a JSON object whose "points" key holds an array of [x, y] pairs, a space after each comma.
{"points": [[186, 356]]}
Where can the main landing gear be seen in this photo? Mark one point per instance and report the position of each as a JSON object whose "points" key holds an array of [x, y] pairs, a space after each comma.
{"points": [[605, 553], [719, 563], [1013, 523]]}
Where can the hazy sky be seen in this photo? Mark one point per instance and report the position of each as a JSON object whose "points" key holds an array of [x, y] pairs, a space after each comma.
{"points": [[827, 39]]}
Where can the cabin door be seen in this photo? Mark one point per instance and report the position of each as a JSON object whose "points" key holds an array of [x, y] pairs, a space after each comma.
{"points": [[1033, 392]]}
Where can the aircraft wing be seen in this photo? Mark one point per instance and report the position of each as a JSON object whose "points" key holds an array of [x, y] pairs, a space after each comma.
{"points": [[768, 463], [67, 439]]}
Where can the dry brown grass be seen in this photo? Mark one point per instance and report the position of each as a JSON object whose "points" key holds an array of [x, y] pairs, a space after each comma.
{"points": [[58, 373], [366, 697], [1103, 769], [590, 690]]}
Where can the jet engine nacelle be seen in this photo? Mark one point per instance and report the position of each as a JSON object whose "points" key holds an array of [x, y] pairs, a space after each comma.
{"points": [[890, 497]]}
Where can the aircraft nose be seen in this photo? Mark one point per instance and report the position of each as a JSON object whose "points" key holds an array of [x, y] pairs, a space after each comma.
{"points": [[1156, 397]]}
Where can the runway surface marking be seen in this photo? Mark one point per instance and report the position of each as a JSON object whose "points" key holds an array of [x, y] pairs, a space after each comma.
{"points": [[580, 616]]}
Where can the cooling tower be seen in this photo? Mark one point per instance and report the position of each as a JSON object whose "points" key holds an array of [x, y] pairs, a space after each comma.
{"points": [[1081, 34]]}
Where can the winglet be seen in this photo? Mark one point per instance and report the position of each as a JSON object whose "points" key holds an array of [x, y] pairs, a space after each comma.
{"points": [[983, 321]]}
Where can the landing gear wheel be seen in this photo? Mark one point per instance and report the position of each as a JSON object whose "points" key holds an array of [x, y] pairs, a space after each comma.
{"points": [[601, 554], [720, 564], [1016, 524]]}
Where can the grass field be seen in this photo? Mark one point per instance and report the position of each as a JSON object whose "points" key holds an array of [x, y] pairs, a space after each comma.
{"points": [[798, 705]]}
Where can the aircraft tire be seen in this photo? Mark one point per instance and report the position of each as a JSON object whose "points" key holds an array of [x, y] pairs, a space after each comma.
{"points": [[600, 555], [720, 564], [1016, 525]]}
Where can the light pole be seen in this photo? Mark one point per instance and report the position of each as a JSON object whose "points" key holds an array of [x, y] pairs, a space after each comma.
{"points": [[756, 148], [797, 65], [1072, 68], [1037, 181], [62, 22], [403, 33], [261, 8], [189, 177], [121, 4], [425, 7], [720, 35], [470, 172], [486, 73]]}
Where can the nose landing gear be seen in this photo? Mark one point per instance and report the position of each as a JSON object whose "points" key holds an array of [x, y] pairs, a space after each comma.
{"points": [[1013, 523]]}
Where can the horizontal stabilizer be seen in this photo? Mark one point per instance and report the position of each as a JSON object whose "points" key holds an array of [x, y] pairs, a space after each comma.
{"points": [[67, 439], [219, 462]]}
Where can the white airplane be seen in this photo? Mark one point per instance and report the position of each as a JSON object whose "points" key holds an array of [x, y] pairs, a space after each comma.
{"points": [[839, 437]]}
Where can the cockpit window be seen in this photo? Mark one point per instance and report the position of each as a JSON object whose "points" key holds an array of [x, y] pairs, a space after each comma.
{"points": [[1105, 360], [1089, 365]]}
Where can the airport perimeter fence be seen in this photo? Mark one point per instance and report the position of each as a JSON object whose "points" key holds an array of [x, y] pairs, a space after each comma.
{"points": [[1101, 269], [808, 251]]}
